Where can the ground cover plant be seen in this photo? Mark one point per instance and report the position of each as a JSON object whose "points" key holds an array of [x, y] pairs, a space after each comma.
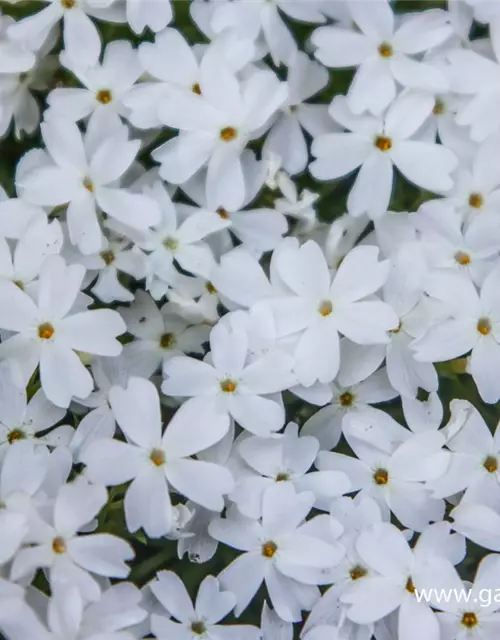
{"points": [[249, 320]]}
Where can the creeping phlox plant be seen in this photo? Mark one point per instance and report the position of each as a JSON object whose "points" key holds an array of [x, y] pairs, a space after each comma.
{"points": [[249, 319]]}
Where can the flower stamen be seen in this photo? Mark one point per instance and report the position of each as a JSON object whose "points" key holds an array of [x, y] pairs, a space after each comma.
{"points": [[469, 619], [157, 457], [346, 399], [45, 331], [269, 549], [227, 134], [108, 256], [491, 464], [484, 326], [198, 627], [167, 340], [104, 96], [325, 308], [476, 200], [381, 477], [15, 435], [228, 386], [462, 258], [383, 143], [357, 572], [385, 50], [58, 545]]}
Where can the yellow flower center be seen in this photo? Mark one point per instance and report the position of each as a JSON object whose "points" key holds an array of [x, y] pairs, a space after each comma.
{"points": [[491, 464], [383, 143], [469, 619], [198, 627], [381, 477], [346, 399], [196, 89], [223, 213], [410, 587], [157, 457], [104, 96], [282, 477], [68, 4], [46, 331], [210, 288], [439, 108], [108, 256], [385, 50], [484, 326], [357, 572], [58, 545], [228, 386], [462, 258], [269, 549], [476, 200], [87, 183], [325, 308], [170, 243], [228, 133], [15, 435], [167, 341], [397, 329]]}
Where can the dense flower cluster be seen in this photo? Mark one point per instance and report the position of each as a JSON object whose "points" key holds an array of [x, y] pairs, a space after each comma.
{"points": [[232, 368]]}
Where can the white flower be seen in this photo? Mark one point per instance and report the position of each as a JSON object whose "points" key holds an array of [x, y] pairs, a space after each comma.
{"points": [[475, 460], [169, 62], [399, 572], [259, 229], [69, 616], [107, 85], [215, 127], [177, 239], [48, 333], [472, 250], [375, 145], [82, 41], [477, 187], [383, 52], [393, 467], [212, 605], [358, 385], [321, 307], [116, 256], [281, 550], [230, 385], [154, 461], [283, 458], [20, 420], [473, 324], [161, 334], [56, 545], [84, 173], [477, 618]]}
